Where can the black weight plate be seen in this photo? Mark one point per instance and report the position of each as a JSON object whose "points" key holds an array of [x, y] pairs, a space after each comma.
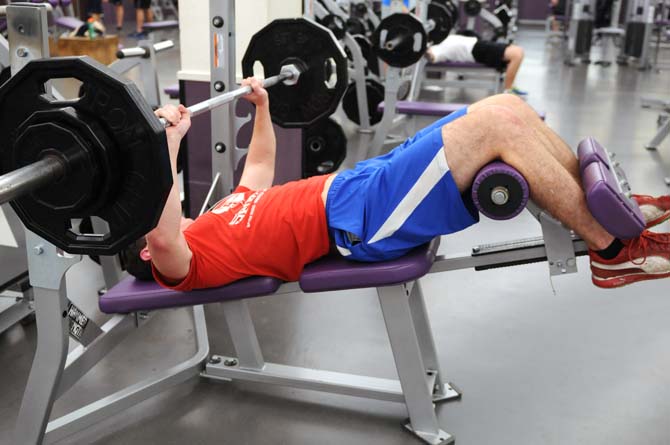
{"points": [[406, 29], [441, 16], [375, 94], [307, 44], [335, 23], [324, 148], [5, 74], [472, 8], [113, 109], [453, 10], [368, 54], [355, 25]]}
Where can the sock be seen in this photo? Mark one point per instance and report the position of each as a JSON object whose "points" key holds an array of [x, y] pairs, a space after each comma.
{"points": [[612, 250]]}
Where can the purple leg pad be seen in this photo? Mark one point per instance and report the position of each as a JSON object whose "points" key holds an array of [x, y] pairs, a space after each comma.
{"points": [[499, 191], [588, 151], [619, 215]]}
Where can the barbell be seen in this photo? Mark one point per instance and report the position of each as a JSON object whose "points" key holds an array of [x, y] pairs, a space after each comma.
{"points": [[105, 153], [402, 39]]}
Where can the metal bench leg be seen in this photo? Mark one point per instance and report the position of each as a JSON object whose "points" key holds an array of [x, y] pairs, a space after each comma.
{"points": [[661, 134], [442, 391], [416, 385], [47, 272]]}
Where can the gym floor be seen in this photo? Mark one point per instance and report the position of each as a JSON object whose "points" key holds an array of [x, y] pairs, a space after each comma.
{"points": [[539, 361]]}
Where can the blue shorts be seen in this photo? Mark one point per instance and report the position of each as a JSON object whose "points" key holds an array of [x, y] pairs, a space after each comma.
{"points": [[386, 206]]}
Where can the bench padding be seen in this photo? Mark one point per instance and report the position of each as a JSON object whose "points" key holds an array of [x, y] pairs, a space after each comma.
{"points": [[132, 295], [330, 273], [71, 23], [336, 273], [460, 65], [172, 91]]}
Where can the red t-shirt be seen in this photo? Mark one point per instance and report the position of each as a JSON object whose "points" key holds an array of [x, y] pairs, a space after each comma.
{"points": [[272, 232]]}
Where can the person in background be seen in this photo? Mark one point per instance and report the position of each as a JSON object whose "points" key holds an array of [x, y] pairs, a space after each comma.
{"points": [[143, 14], [118, 11], [503, 56]]}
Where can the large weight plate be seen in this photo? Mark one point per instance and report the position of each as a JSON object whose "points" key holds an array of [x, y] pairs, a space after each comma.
{"points": [[113, 110], [409, 31], [472, 8], [5, 74], [335, 23], [307, 44], [441, 15], [324, 148], [375, 94]]}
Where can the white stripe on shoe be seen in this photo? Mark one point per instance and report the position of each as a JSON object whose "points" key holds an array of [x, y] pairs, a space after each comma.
{"points": [[652, 265], [433, 173]]}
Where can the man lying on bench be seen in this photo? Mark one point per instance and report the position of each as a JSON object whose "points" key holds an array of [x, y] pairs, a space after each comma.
{"points": [[387, 205], [501, 56]]}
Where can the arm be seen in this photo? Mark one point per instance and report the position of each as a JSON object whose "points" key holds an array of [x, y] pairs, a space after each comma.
{"points": [[259, 168], [169, 251]]}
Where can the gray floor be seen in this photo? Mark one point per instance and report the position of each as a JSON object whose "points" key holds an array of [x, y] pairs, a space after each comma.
{"points": [[540, 361]]}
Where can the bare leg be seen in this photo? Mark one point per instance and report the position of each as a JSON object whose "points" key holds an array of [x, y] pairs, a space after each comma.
{"points": [[513, 56], [554, 143], [493, 132], [139, 19], [150, 15], [119, 15]]}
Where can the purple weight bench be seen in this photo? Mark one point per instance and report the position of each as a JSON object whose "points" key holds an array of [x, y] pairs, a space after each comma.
{"points": [[402, 306], [327, 274], [437, 109], [3, 25], [436, 74], [420, 384], [448, 64], [172, 91]]}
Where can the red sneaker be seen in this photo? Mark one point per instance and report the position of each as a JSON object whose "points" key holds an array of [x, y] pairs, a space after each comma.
{"points": [[655, 209], [644, 258]]}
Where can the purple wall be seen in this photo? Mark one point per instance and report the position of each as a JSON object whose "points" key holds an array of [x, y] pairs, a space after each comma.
{"points": [[533, 9]]}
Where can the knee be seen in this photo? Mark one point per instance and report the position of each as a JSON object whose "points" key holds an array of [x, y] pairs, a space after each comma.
{"points": [[514, 52], [511, 101], [499, 121]]}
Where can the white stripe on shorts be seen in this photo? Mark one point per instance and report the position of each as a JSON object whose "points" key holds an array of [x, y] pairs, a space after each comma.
{"points": [[433, 173]]}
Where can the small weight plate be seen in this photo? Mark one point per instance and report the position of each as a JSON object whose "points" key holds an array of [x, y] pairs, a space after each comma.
{"points": [[408, 32], [442, 18], [375, 94], [335, 23], [324, 148]]}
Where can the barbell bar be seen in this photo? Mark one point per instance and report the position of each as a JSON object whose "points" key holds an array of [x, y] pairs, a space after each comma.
{"points": [[289, 75]]}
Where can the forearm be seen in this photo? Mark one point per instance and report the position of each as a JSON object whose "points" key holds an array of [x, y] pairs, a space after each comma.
{"points": [[169, 250], [169, 223], [263, 146]]}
